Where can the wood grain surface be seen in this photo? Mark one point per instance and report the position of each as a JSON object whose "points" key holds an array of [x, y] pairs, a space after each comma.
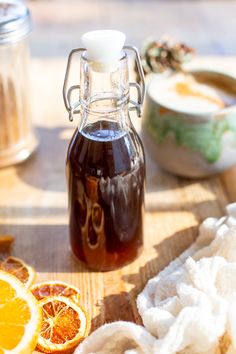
{"points": [[33, 206]]}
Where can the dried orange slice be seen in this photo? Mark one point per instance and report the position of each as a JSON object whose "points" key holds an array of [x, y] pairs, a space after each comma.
{"points": [[6, 242], [64, 326], [20, 317], [55, 288], [19, 269]]}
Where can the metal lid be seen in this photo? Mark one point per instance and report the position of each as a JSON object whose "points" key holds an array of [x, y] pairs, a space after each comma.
{"points": [[15, 21]]}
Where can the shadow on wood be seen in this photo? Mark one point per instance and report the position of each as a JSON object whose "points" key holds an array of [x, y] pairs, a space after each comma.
{"points": [[45, 247], [46, 168], [122, 306], [47, 239]]}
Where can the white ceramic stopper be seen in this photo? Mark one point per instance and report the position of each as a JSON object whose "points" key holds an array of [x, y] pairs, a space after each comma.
{"points": [[104, 49]]}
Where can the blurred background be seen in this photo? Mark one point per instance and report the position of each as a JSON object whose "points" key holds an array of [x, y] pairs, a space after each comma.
{"points": [[207, 25]]}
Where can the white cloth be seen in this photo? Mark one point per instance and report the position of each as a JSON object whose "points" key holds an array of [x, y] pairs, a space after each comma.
{"points": [[189, 307], [118, 338]]}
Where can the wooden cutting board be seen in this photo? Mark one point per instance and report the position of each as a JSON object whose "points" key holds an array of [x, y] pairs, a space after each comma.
{"points": [[33, 206]]}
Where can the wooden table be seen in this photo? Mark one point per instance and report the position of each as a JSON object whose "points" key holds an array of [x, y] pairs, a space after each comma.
{"points": [[58, 25], [33, 207]]}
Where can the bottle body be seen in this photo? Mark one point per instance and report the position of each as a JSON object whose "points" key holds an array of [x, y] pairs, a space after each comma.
{"points": [[106, 173]]}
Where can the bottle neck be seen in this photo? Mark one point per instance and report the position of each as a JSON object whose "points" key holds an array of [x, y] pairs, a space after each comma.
{"points": [[118, 119], [104, 96]]}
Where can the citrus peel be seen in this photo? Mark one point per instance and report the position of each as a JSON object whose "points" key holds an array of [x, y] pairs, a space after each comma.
{"points": [[15, 266], [55, 288], [20, 317]]}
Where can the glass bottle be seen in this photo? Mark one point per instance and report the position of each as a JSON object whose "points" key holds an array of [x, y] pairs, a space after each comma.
{"points": [[105, 161], [17, 137]]}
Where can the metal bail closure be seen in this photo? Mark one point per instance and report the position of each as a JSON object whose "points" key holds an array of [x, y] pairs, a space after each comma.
{"points": [[71, 107], [141, 89], [74, 107]]}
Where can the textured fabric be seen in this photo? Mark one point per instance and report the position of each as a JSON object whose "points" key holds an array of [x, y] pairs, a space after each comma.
{"points": [[118, 338], [189, 307]]}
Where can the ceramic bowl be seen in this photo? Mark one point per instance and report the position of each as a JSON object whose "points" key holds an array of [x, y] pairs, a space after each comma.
{"points": [[191, 144]]}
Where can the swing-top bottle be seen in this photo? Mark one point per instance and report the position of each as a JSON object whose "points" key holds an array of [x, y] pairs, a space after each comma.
{"points": [[105, 161]]}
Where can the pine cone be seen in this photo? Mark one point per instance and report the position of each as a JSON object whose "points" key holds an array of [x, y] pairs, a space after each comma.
{"points": [[159, 56]]}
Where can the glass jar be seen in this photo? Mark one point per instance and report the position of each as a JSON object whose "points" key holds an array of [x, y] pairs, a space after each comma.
{"points": [[17, 139], [105, 171]]}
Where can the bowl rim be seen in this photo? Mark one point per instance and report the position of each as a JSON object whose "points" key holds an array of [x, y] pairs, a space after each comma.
{"points": [[206, 115]]}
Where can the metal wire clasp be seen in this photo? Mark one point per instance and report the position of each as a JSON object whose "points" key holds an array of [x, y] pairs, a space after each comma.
{"points": [[140, 89], [74, 107]]}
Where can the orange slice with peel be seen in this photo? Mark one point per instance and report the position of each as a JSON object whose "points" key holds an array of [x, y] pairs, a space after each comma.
{"points": [[20, 317], [55, 288], [19, 269], [65, 324]]}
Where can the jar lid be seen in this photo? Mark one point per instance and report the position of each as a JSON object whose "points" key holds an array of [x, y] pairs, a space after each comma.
{"points": [[15, 21]]}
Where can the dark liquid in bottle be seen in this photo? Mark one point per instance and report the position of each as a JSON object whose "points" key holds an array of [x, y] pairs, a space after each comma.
{"points": [[106, 172]]}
